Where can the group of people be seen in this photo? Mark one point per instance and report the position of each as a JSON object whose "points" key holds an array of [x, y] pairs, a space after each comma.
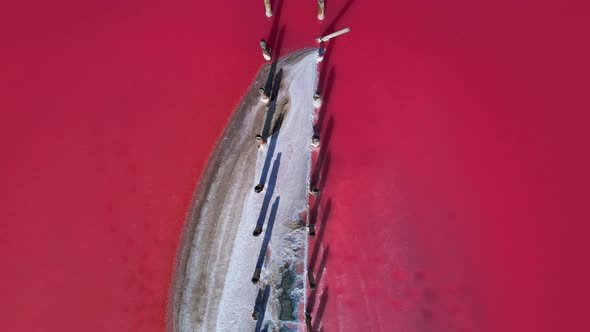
{"points": [[268, 8], [266, 53], [320, 9]]}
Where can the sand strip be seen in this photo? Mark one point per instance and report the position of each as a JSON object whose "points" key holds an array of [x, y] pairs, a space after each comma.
{"points": [[211, 289]]}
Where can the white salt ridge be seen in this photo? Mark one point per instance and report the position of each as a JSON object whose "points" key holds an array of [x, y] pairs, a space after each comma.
{"points": [[287, 244]]}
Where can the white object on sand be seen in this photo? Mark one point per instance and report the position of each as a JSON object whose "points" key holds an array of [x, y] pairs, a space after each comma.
{"points": [[333, 35], [317, 100], [315, 140], [265, 49], [321, 52], [321, 8], [268, 8], [263, 97]]}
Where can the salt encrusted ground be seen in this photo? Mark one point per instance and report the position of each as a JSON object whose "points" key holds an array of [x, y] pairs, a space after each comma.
{"points": [[212, 290]]}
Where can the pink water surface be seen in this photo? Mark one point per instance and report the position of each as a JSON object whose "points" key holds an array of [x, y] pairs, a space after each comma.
{"points": [[454, 196]]}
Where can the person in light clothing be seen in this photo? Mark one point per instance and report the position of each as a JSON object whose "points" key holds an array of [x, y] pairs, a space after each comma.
{"points": [[265, 49]]}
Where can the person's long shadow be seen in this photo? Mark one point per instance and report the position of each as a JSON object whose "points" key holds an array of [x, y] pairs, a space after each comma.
{"points": [[268, 86], [322, 171], [272, 181], [272, 106], [322, 231], [278, 123], [271, 77], [332, 24], [268, 232], [258, 303], [319, 270], [312, 298], [271, 149], [322, 165], [277, 10], [278, 43], [322, 266], [321, 309], [260, 320], [313, 212], [325, 91], [324, 65], [275, 38]]}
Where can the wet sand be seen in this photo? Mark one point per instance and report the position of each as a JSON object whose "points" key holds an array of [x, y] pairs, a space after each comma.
{"points": [[217, 243]]}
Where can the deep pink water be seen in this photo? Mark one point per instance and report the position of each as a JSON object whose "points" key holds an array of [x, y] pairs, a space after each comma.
{"points": [[455, 189]]}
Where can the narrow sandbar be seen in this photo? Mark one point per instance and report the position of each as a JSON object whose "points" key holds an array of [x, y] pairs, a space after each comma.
{"points": [[212, 288]]}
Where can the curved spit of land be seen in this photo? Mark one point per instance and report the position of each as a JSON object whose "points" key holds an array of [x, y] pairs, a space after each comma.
{"points": [[212, 288]]}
